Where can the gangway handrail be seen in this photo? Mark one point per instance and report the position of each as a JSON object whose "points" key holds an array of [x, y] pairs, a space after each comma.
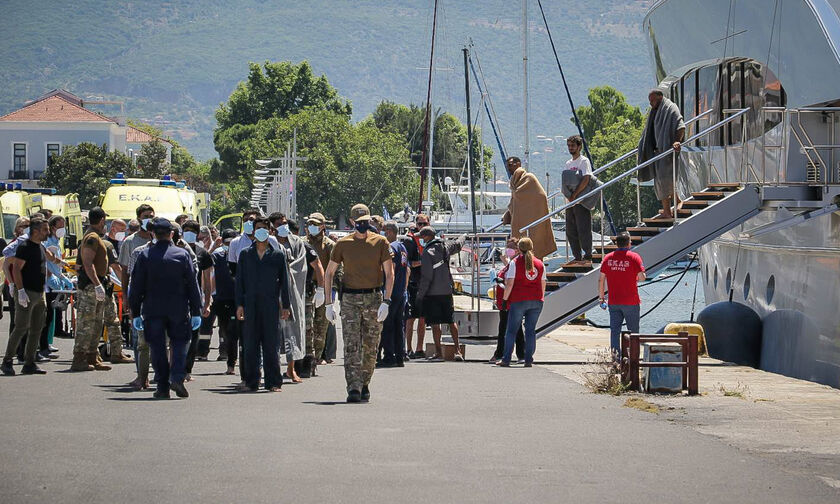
{"points": [[633, 170], [629, 154]]}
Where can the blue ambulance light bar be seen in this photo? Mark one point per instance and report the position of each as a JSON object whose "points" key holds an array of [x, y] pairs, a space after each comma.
{"points": [[165, 181]]}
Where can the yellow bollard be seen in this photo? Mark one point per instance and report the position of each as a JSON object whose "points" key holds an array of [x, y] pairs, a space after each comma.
{"points": [[677, 327]]}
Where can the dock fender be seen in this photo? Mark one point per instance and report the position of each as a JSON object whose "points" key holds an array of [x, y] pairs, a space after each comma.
{"points": [[733, 332]]}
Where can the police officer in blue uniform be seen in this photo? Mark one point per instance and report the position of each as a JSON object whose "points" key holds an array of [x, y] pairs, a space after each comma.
{"points": [[164, 290]]}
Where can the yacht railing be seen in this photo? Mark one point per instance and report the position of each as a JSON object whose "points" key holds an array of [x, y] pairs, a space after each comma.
{"points": [[615, 181]]}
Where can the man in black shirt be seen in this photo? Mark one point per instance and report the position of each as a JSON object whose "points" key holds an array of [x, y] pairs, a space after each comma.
{"points": [[414, 251], [204, 275], [29, 272]]}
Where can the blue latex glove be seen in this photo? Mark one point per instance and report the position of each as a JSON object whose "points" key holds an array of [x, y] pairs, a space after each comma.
{"points": [[67, 283], [195, 322], [137, 323]]}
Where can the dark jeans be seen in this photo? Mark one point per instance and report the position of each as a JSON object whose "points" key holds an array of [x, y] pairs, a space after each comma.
{"points": [[225, 312], [205, 333], [156, 330], [530, 312], [393, 332], [619, 314], [579, 232], [500, 340]]}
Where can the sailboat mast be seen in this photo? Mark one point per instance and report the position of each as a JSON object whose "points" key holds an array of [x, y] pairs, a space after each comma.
{"points": [[427, 150], [525, 102], [469, 138]]}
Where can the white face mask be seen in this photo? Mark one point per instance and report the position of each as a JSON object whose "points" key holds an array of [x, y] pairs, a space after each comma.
{"points": [[60, 233], [283, 231], [313, 230], [119, 236]]}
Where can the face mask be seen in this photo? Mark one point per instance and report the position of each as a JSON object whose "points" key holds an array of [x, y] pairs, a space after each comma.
{"points": [[283, 231], [313, 230], [145, 224], [261, 234], [362, 227], [120, 236], [422, 242], [225, 248], [190, 236], [510, 252], [26, 231], [248, 227], [60, 233]]}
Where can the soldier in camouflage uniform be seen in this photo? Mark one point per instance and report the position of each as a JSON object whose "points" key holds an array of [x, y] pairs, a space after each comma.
{"points": [[316, 320], [365, 256], [91, 296], [112, 320]]}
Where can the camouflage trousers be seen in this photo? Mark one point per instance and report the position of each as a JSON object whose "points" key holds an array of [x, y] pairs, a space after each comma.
{"points": [[91, 317], [361, 334], [316, 328]]}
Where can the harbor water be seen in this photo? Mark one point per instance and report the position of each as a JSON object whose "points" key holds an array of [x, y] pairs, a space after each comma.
{"points": [[676, 308]]}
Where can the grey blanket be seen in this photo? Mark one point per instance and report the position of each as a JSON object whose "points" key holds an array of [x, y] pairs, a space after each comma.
{"points": [[294, 329], [667, 122], [570, 180]]}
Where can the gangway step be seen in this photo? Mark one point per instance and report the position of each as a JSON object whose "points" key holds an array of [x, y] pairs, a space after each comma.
{"points": [[634, 239], [561, 276], [695, 204], [552, 286], [708, 195], [660, 223], [644, 231], [576, 267], [725, 186]]}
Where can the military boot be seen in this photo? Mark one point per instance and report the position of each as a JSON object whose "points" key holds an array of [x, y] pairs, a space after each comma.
{"points": [[118, 357], [95, 360], [80, 362]]}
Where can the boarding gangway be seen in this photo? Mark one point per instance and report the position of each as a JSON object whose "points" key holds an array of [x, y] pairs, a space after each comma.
{"points": [[706, 215]]}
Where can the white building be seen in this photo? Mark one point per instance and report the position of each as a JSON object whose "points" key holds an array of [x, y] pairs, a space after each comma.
{"points": [[31, 135]]}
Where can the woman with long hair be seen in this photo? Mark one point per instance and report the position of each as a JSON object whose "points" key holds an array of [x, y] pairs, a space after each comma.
{"points": [[523, 297], [511, 253]]}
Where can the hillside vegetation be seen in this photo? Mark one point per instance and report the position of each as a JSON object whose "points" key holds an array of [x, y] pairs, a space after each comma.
{"points": [[174, 62]]}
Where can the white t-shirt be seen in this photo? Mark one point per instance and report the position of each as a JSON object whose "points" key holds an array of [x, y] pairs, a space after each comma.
{"points": [[580, 165], [511, 272]]}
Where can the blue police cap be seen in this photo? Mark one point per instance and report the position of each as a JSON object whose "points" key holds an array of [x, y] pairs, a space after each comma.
{"points": [[161, 224]]}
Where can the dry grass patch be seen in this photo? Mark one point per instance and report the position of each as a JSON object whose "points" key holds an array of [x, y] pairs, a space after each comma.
{"points": [[640, 404]]}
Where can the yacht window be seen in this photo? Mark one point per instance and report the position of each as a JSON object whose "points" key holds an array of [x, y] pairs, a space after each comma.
{"points": [[771, 288], [746, 287]]}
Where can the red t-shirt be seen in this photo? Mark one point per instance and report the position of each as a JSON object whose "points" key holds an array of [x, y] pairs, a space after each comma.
{"points": [[621, 268]]}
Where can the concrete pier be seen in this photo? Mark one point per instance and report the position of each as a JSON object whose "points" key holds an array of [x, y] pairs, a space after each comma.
{"points": [[433, 432]]}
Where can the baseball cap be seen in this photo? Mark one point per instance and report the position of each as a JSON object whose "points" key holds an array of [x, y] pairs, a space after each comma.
{"points": [[316, 218], [358, 211]]}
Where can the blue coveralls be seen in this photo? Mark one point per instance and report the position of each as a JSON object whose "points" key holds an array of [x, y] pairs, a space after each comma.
{"points": [[261, 286], [164, 289]]}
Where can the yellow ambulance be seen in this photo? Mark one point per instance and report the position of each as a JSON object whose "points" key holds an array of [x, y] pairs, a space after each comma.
{"points": [[168, 197]]}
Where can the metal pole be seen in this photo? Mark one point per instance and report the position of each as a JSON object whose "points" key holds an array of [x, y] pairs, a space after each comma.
{"points": [[469, 138], [526, 106], [638, 202], [423, 173], [674, 174]]}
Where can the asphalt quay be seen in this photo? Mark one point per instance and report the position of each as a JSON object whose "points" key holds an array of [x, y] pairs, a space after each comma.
{"points": [[433, 432]]}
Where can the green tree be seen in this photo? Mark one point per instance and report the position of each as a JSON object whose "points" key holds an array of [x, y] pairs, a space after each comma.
{"points": [[607, 107], [450, 141], [346, 163], [151, 162], [85, 169], [613, 128]]}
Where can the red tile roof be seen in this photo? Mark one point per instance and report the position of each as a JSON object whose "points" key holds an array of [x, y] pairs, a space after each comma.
{"points": [[134, 135], [54, 109]]}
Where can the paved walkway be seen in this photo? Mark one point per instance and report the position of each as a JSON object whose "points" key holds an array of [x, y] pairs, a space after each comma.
{"points": [[794, 422], [433, 432]]}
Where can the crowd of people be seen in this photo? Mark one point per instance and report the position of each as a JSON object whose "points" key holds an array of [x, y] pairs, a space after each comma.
{"points": [[273, 290]]}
